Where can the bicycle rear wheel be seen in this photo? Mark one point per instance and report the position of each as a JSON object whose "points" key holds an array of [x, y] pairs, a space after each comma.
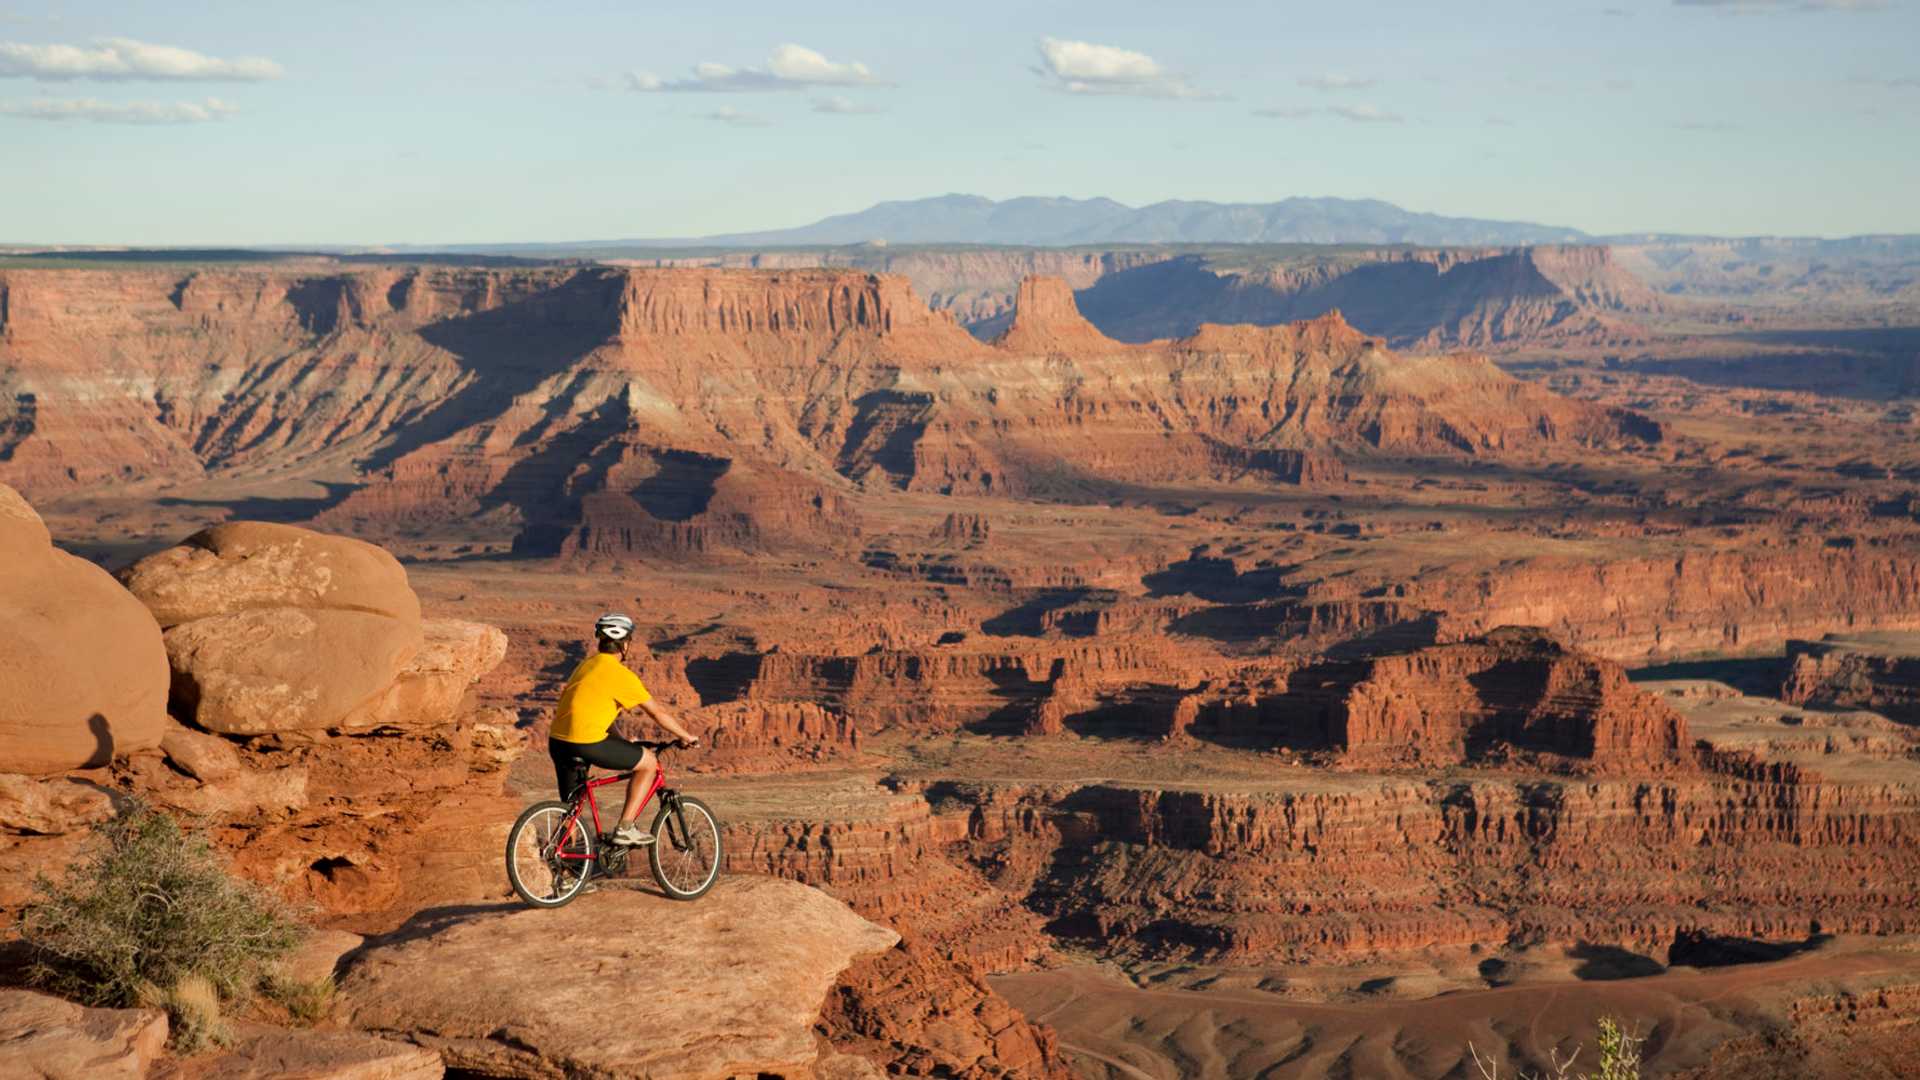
{"points": [[549, 854], [685, 853]]}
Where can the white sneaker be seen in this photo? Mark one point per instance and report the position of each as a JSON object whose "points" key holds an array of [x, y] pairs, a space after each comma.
{"points": [[632, 835]]}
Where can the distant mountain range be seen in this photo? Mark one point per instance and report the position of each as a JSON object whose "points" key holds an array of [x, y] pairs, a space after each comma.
{"points": [[1054, 222], [1059, 222]]}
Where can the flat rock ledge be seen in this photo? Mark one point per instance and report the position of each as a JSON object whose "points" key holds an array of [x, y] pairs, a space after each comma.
{"points": [[623, 982], [45, 1037]]}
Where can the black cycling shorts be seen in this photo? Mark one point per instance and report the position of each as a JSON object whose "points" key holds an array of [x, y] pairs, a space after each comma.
{"points": [[570, 760]]}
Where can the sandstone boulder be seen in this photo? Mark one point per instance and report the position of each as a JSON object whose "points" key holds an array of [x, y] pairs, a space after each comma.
{"points": [[453, 654], [85, 674], [731, 985], [206, 758], [245, 565], [46, 1037], [262, 670], [22, 534]]}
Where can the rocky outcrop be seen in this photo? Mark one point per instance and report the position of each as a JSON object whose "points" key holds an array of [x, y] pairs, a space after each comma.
{"points": [[732, 985], [1046, 322], [918, 1012], [336, 749], [768, 736], [1880, 672], [83, 678], [1514, 691], [276, 628], [46, 1037]]}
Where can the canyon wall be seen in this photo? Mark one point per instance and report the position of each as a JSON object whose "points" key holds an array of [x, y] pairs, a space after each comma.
{"points": [[461, 393], [1475, 297], [1312, 867]]}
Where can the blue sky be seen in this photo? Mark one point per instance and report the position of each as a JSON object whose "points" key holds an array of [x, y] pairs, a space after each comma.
{"points": [[355, 122]]}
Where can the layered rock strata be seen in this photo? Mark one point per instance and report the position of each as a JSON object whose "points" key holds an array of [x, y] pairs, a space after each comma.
{"points": [[1880, 672], [1317, 869], [546, 398]]}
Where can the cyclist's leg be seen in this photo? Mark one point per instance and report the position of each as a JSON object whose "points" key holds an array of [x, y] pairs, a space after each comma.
{"points": [[614, 752], [638, 787], [569, 768]]}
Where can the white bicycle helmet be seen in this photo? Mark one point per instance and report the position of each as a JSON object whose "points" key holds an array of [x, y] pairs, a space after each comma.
{"points": [[614, 627]]}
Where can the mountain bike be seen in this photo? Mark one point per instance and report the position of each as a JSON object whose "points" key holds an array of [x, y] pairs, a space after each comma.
{"points": [[552, 849]]}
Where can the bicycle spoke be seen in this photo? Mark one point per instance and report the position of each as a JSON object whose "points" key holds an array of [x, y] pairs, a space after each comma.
{"points": [[544, 858], [688, 850]]}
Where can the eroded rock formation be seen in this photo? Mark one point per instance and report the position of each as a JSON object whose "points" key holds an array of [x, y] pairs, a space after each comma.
{"points": [[1880, 672]]}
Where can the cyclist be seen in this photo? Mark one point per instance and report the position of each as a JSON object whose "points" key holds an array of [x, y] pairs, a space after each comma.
{"points": [[599, 688]]}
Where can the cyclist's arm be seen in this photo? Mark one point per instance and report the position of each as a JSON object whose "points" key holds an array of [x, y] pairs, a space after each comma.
{"points": [[666, 720]]}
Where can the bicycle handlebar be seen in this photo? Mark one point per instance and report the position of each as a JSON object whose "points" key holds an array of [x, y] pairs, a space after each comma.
{"points": [[656, 747]]}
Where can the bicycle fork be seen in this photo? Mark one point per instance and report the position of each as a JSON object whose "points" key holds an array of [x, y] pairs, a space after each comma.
{"points": [[676, 820]]}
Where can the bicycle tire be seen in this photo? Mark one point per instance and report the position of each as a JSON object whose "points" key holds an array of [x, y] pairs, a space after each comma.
{"points": [[701, 855], [561, 886]]}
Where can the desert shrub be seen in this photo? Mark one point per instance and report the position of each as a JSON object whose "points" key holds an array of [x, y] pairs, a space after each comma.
{"points": [[193, 1006], [1619, 1052], [151, 905], [1619, 1058], [307, 1001]]}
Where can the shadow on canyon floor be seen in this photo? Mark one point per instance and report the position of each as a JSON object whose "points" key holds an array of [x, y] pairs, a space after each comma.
{"points": [[1759, 676]]}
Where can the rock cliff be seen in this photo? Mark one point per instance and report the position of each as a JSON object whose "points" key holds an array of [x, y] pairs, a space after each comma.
{"points": [[1425, 298], [623, 410], [1880, 672]]}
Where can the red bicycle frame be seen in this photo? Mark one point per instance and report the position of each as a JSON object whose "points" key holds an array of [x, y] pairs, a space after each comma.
{"points": [[593, 806]]}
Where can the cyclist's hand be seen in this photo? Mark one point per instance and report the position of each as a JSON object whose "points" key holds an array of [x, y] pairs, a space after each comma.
{"points": [[690, 742]]}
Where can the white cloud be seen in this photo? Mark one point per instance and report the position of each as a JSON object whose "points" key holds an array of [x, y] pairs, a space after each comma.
{"points": [[1338, 82], [727, 114], [790, 67], [126, 60], [1366, 114], [92, 110], [840, 105], [1359, 114], [1082, 67]]}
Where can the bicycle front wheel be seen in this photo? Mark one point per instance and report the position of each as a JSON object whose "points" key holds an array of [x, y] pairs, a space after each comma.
{"points": [[685, 852], [549, 854]]}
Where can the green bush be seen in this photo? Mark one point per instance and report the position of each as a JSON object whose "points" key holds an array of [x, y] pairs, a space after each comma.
{"points": [[152, 906]]}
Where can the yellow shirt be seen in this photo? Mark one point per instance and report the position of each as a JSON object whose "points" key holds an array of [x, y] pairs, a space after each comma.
{"points": [[594, 695]]}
